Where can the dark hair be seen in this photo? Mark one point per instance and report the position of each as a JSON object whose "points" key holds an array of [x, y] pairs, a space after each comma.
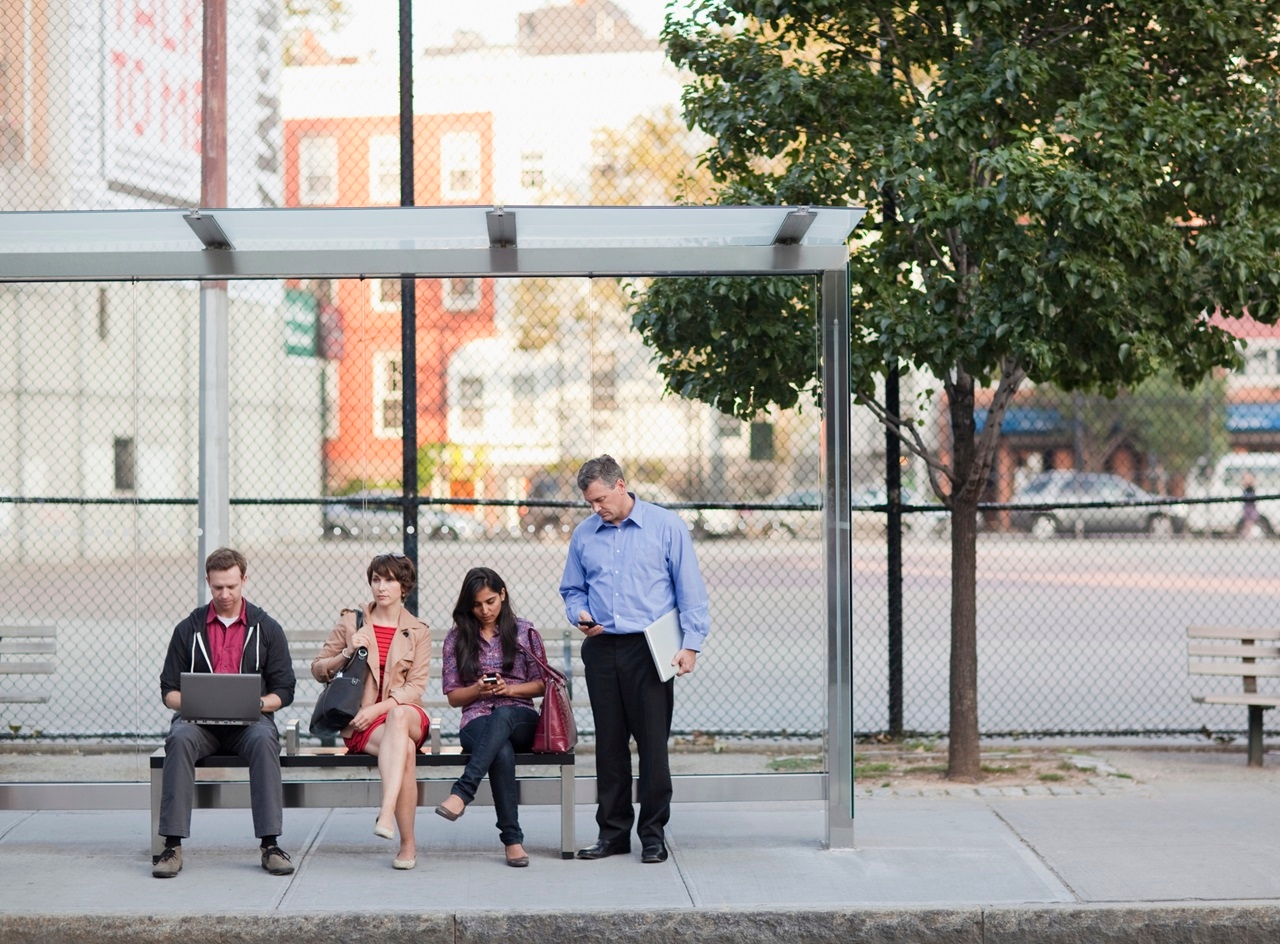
{"points": [[395, 567], [603, 469], [467, 647], [224, 558]]}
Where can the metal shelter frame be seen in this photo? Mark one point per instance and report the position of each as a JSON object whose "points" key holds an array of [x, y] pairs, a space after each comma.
{"points": [[209, 245]]}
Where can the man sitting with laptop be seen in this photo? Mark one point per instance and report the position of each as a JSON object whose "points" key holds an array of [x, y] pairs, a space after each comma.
{"points": [[230, 638]]}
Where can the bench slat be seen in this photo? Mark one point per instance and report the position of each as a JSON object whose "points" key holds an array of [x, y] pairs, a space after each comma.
{"points": [[26, 668], [31, 632], [1220, 651], [1258, 670], [1238, 698], [1231, 632], [36, 647]]}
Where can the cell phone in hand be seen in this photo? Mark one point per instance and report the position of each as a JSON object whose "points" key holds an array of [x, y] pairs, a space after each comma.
{"points": [[489, 678], [587, 623]]}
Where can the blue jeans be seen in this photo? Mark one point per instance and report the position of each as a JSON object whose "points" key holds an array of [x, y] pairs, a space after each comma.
{"points": [[493, 741]]}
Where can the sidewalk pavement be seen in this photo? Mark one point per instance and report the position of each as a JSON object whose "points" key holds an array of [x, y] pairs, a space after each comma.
{"points": [[1169, 859]]}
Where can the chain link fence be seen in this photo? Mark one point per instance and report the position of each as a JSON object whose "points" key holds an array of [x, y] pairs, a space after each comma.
{"points": [[1085, 583]]}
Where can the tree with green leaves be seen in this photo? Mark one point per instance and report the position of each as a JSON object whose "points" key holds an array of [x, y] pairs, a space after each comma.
{"points": [[1060, 192]]}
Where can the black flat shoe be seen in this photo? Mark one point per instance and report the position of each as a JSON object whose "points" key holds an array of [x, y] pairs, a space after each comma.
{"points": [[654, 852], [602, 850], [519, 862]]}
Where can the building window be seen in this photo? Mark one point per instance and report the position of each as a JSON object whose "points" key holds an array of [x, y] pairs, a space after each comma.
{"points": [[384, 294], [125, 465], [604, 386], [460, 294], [761, 442], [102, 315], [471, 401], [317, 171], [460, 165], [330, 380], [388, 396], [384, 169], [532, 174], [1259, 362], [524, 396]]}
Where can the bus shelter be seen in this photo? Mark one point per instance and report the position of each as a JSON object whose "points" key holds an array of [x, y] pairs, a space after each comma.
{"points": [[214, 246]]}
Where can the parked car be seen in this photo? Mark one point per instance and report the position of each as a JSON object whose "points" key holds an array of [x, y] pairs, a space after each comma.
{"points": [[868, 514], [935, 522], [711, 522], [1068, 492], [1227, 480], [544, 521], [355, 517], [791, 522]]}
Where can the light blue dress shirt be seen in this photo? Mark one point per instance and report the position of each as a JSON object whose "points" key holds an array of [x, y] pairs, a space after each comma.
{"points": [[627, 575]]}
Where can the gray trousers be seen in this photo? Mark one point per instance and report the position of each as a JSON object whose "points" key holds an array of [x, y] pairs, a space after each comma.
{"points": [[258, 743]]}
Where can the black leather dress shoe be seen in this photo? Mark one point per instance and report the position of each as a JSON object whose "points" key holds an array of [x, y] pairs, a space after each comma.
{"points": [[654, 852], [602, 850]]}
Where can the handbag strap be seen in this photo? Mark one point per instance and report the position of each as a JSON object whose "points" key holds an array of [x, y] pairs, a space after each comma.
{"points": [[547, 670]]}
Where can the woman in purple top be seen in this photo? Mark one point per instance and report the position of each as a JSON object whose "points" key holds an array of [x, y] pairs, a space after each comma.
{"points": [[487, 671]]}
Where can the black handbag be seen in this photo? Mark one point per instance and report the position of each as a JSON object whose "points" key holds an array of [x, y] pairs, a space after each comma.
{"points": [[340, 700]]}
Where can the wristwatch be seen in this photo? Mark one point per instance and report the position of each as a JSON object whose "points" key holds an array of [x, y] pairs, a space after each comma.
{"points": [[262, 705]]}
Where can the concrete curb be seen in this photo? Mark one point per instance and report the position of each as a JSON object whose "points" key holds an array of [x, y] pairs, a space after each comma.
{"points": [[1103, 924]]}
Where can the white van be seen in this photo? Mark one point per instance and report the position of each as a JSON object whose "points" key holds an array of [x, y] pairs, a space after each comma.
{"points": [[1227, 481]]}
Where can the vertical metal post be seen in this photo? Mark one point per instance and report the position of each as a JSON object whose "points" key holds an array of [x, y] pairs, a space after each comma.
{"points": [[893, 526], [214, 491], [408, 308], [837, 555]]}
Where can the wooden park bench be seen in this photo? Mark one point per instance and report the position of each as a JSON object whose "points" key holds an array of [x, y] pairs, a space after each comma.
{"points": [[1248, 654], [24, 651]]}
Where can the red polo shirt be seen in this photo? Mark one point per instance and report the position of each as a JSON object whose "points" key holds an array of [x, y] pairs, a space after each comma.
{"points": [[226, 642]]}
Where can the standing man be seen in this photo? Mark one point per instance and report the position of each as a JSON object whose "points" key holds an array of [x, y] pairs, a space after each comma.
{"points": [[230, 635], [630, 563]]}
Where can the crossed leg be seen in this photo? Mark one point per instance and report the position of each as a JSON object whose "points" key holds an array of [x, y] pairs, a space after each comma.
{"points": [[395, 744]]}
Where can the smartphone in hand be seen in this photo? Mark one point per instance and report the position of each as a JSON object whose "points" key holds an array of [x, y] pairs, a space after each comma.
{"points": [[489, 678]]}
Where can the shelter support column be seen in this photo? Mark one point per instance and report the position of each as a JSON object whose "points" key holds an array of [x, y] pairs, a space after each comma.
{"points": [[837, 554]]}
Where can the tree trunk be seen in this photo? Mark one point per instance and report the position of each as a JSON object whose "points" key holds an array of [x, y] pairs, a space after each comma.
{"points": [[963, 762]]}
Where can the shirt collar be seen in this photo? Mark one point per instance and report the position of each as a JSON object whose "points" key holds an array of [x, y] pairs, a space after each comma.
{"points": [[639, 512], [211, 615]]}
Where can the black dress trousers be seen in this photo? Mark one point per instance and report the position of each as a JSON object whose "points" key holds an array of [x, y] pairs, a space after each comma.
{"points": [[628, 700]]}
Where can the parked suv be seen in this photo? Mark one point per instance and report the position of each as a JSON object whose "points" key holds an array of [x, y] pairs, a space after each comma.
{"points": [[547, 521], [1227, 479], [368, 514], [1118, 506]]}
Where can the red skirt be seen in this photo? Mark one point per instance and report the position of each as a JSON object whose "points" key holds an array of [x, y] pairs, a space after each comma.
{"points": [[360, 739]]}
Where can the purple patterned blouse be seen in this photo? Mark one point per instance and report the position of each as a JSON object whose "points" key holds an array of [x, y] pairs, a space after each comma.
{"points": [[524, 669]]}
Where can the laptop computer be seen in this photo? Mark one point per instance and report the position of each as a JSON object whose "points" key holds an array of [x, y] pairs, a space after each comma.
{"points": [[221, 699]]}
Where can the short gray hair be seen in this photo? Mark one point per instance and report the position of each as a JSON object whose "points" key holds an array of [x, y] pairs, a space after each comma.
{"points": [[603, 469]]}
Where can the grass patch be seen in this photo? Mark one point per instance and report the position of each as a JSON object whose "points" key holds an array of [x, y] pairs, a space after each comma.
{"points": [[795, 764], [867, 770], [1052, 777], [1067, 765], [920, 744]]}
